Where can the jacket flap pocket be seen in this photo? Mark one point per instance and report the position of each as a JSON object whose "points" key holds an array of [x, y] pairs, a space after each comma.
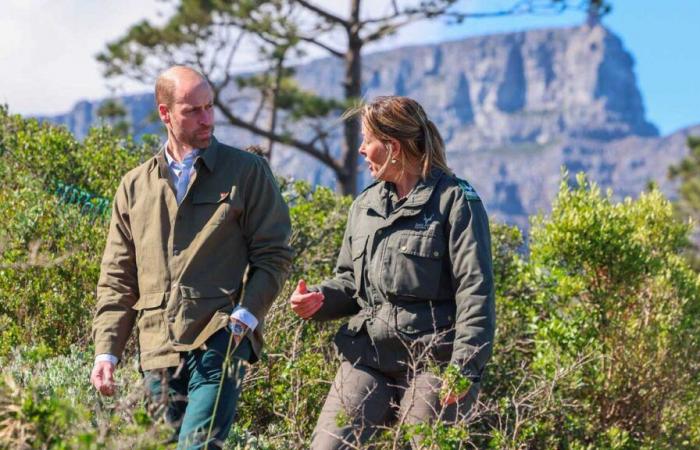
{"points": [[425, 317], [146, 301], [423, 246], [354, 325], [199, 198], [205, 291], [359, 244]]}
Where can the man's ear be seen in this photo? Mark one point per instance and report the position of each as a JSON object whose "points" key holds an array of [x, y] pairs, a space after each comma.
{"points": [[164, 113]]}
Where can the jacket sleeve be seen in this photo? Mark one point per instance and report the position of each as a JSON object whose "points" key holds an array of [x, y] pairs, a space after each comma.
{"points": [[266, 228], [339, 291], [472, 275], [117, 288]]}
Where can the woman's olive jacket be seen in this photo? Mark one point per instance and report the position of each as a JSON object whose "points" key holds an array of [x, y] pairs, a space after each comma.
{"points": [[416, 279]]}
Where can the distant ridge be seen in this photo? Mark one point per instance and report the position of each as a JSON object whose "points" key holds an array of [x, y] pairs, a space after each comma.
{"points": [[513, 109]]}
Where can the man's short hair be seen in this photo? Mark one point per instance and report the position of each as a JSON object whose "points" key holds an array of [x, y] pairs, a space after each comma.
{"points": [[165, 84], [165, 89]]}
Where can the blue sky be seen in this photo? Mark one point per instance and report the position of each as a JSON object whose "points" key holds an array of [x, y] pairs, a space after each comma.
{"points": [[664, 39], [47, 49]]}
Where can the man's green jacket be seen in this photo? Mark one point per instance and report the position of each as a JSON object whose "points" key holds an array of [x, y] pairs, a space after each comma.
{"points": [[176, 271]]}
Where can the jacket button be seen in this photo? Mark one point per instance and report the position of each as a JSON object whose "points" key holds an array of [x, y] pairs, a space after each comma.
{"points": [[403, 248], [176, 252], [436, 253]]}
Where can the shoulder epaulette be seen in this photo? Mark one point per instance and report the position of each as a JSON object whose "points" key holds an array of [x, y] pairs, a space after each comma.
{"points": [[468, 190]]}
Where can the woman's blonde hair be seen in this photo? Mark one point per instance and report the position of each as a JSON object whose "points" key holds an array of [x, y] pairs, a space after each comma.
{"points": [[404, 120]]}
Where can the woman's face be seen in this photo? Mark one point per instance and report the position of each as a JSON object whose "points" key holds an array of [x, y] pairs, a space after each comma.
{"points": [[376, 154]]}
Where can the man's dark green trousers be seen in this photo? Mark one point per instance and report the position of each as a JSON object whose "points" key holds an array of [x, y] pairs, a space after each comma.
{"points": [[193, 387]]}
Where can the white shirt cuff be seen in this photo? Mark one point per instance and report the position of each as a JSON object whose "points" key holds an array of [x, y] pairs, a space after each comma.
{"points": [[243, 315], [106, 357]]}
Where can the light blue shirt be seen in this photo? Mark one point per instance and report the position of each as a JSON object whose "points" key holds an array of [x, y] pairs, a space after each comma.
{"points": [[181, 172]]}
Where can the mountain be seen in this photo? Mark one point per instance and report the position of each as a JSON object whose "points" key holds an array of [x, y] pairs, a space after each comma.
{"points": [[140, 109], [514, 109]]}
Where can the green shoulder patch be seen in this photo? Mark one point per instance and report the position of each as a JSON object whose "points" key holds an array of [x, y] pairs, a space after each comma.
{"points": [[468, 190]]}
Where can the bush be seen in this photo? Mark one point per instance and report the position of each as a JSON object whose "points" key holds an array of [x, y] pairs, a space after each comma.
{"points": [[599, 331], [48, 268], [597, 345], [52, 154], [50, 251], [285, 391], [48, 403]]}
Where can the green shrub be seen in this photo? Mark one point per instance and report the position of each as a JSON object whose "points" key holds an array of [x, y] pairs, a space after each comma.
{"points": [[603, 322], [285, 390], [52, 154], [598, 319], [48, 403], [49, 264], [50, 251]]}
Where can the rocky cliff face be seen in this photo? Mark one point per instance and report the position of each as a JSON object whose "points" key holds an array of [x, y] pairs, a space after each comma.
{"points": [[514, 109], [139, 107], [496, 90]]}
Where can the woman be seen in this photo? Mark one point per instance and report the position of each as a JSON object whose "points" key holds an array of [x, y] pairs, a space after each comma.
{"points": [[414, 275]]}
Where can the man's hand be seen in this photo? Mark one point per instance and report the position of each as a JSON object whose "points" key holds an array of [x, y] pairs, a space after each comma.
{"points": [[305, 303], [238, 330], [102, 377]]}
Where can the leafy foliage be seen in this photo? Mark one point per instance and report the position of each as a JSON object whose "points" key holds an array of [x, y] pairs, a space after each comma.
{"points": [[50, 250], [687, 172], [600, 327], [598, 339]]}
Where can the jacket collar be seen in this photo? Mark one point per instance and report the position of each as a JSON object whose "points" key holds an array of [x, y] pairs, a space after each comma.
{"points": [[421, 193], [377, 197], [208, 157], [209, 154]]}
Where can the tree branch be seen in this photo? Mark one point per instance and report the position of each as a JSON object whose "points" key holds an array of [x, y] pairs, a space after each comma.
{"points": [[323, 13], [261, 105], [302, 146], [234, 48], [318, 43]]}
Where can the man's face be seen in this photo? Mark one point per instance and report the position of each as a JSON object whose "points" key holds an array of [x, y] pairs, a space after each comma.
{"points": [[190, 119]]}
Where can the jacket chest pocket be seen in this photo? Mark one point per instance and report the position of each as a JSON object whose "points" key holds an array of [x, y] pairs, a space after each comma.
{"points": [[358, 249], [211, 208], [418, 266]]}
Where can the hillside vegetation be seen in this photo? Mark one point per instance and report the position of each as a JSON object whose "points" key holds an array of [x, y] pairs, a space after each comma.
{"points": [[598, 339]]}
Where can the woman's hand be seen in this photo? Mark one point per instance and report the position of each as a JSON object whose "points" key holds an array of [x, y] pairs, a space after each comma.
{"points": [[454, 385], [305, 303], [451, 398]]}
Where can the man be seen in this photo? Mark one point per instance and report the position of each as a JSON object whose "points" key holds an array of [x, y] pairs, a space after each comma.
{"points": [[186, 226]]}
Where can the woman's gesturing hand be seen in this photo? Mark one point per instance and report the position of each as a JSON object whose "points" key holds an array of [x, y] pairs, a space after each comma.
{"points": [[305, 303]]}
